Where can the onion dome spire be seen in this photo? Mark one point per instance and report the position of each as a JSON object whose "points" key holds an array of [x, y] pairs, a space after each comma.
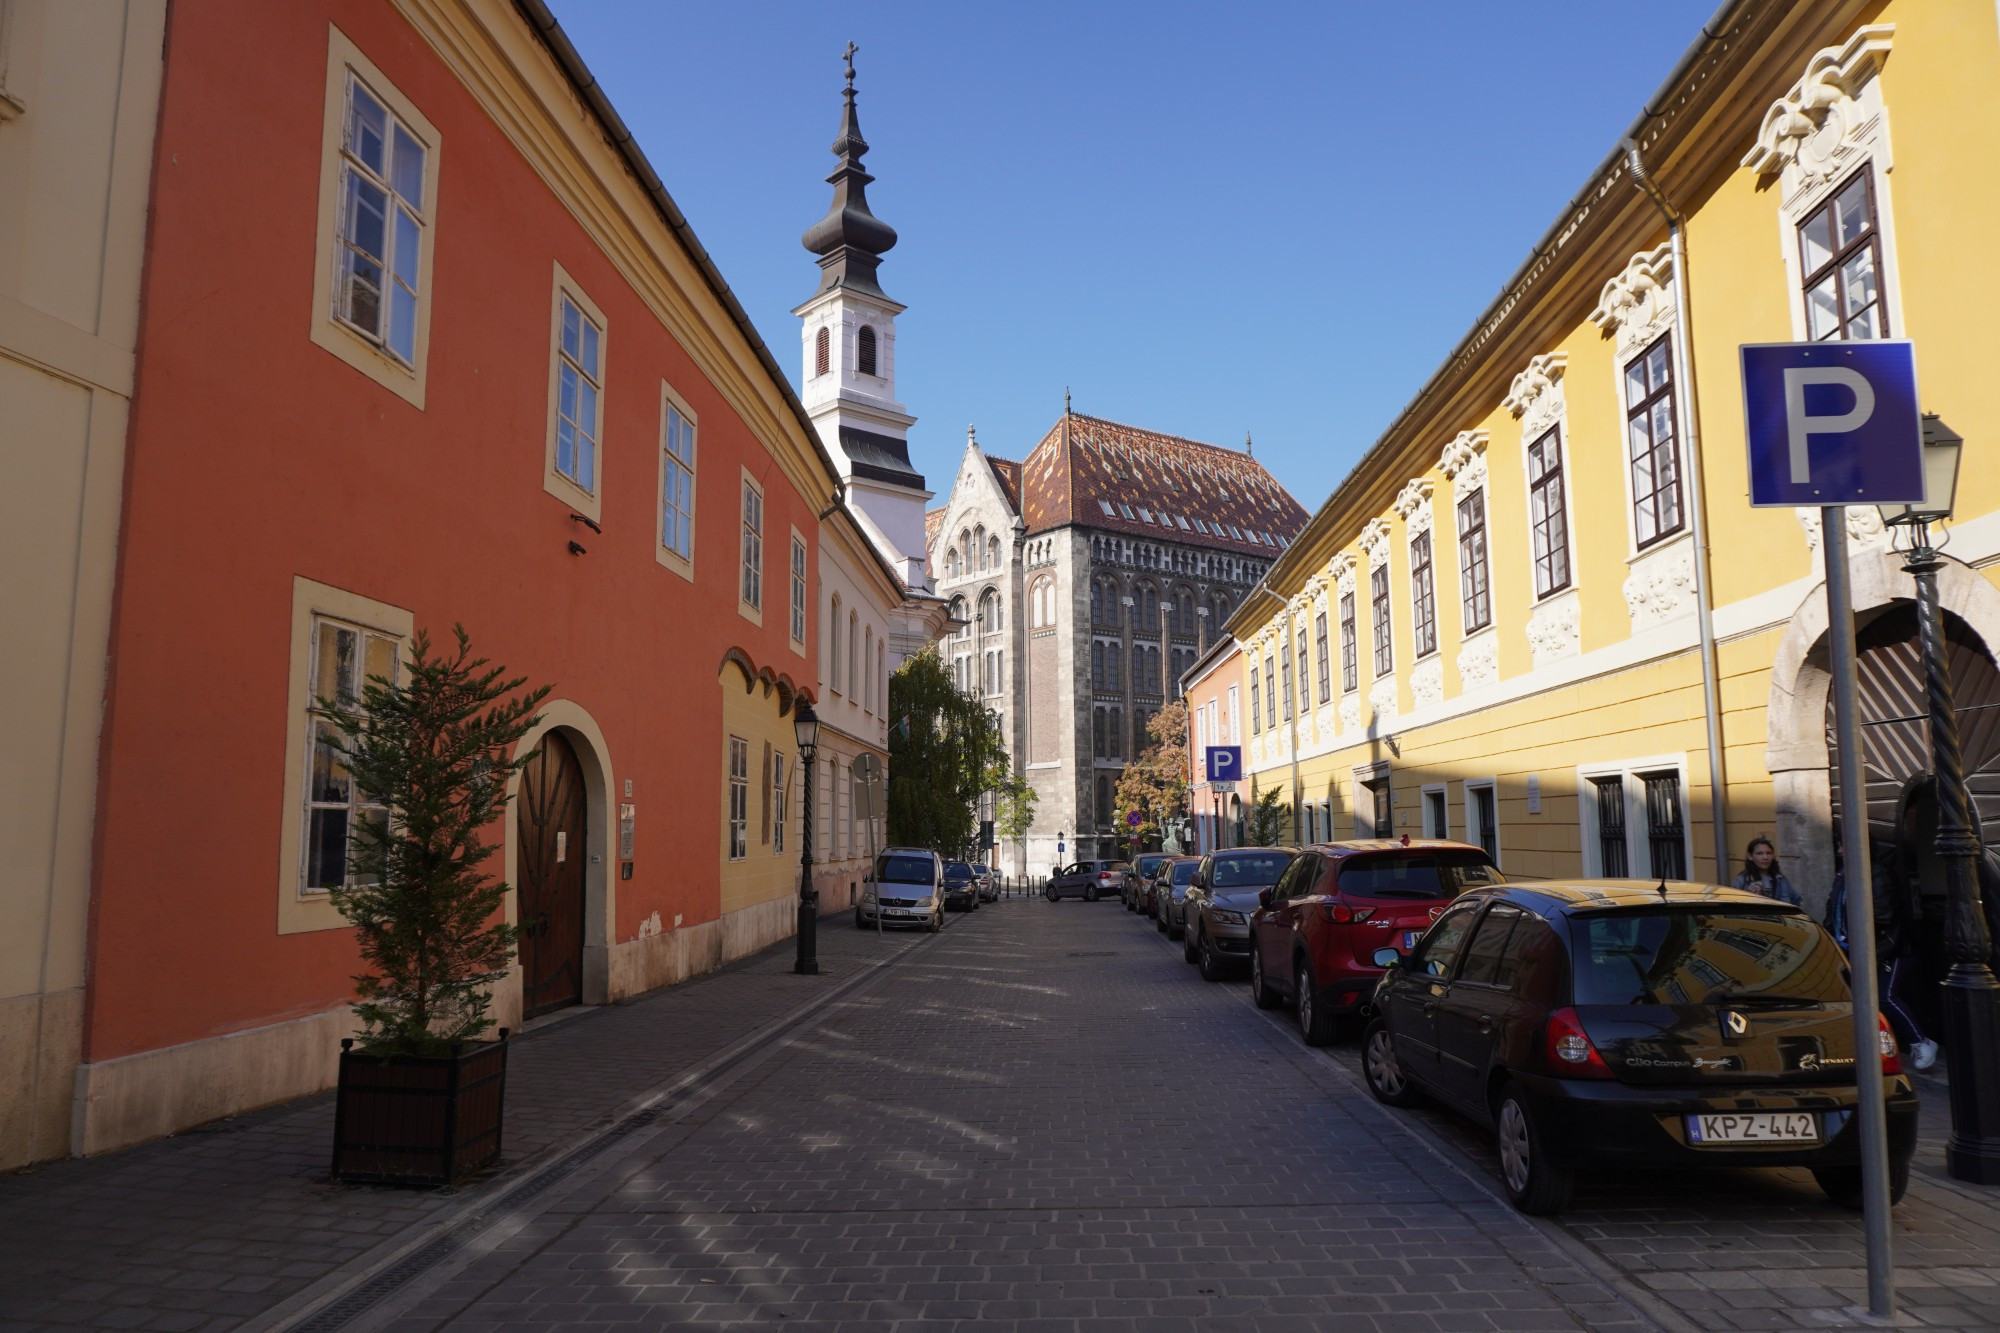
{"points": [[849, 240]]}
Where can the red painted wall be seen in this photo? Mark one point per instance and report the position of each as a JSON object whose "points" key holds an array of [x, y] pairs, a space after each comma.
{"points": [[256, 455]]}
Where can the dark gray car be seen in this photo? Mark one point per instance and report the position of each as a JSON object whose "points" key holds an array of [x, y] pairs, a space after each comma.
{"points": [[1088, 880], [1220, 901]]}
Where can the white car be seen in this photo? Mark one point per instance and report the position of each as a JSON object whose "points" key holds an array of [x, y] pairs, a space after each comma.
{"points": [[905, 887]]}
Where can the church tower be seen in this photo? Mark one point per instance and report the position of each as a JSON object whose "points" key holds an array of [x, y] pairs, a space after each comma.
{"points": [[848, 329]]}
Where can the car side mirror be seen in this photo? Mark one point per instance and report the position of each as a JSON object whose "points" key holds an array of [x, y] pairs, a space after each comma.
{"points": [[1388, 958], [1263, 897]]}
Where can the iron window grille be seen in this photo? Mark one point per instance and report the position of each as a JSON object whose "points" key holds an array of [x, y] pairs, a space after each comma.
{"points": [[1613, 861], [1666, 827]]}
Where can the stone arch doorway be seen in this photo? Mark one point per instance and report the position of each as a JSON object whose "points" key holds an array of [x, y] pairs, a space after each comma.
{"points": [[552, 814], [1900, 794]]}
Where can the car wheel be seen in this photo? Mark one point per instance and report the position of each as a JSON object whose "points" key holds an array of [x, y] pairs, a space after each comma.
{"points": [[1316, 1024], [1211, 962], [1260, 985], [1050, 893], [1843, 1183], [1536, 1185], [1160, 921], [859, 924], [1190, 945], [1090, 894], [1384, 1071]]}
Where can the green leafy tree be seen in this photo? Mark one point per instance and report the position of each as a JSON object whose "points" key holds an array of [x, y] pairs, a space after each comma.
{"points": [[1266, 824], [943, 748], [1156, 783], [1013, 808], [433, 749]]}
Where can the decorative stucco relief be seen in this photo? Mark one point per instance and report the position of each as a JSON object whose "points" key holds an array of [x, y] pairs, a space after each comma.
{"points": [[1536, 395], [1382, 698], [1414, 505], [1463, 463], [1350, 712], [1478, 661], [1637, 306], [1375, 541], [1865, 529], [1555, 628], [1342, 566], [1661, 585], [1830, 117], [1427, 681]]}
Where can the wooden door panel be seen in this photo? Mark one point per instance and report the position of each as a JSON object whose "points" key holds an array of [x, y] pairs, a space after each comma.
{"points": [[553, 832]]}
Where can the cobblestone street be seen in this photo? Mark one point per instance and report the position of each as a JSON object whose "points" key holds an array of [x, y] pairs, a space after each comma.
{"points": [[1041, 1119]]}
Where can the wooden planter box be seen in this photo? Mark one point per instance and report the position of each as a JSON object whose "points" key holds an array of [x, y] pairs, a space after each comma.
{"points": [[426, 1120]]}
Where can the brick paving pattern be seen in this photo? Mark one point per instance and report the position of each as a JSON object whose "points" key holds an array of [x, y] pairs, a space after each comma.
{"points": [[1041, 1119]]}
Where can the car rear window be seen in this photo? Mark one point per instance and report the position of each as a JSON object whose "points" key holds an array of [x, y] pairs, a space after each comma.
{"points": [[1703, 957], [1416, 874], [1236, 872], [903, 869], [957, 870]]}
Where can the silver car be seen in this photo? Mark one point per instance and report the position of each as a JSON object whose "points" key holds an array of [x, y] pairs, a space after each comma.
{"points": [[1170, 886], [905, 887], [1216, 913]]}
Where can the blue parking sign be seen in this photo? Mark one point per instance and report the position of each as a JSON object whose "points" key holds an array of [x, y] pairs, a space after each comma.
{"points": [[1833, 423], [1225, 763]]}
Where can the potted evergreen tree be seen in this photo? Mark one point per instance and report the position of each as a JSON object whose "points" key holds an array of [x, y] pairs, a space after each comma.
{"points": [[420, 1097]]}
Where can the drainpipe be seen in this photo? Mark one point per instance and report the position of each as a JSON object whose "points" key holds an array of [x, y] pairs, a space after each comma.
{"points": [[1291, 723], [1697, 508]]}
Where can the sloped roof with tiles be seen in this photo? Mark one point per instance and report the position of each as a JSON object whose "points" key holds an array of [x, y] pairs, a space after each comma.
{"points": [[1101, 474], [933, 520], [1009, 475]]}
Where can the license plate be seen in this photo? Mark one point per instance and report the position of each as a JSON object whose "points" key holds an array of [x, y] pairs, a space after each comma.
{"points": [[1754, 1127], [900, 911], [1410, 939]]}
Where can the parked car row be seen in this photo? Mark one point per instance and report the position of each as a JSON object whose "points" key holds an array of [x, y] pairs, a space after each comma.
{"points": [[1588, 1024]]}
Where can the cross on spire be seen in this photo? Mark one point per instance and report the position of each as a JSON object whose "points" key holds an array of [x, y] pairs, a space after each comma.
{"points": [[849, 54]]}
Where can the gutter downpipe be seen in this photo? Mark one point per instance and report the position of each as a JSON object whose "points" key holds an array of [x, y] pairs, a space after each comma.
{"points": [[1291, 721], [1698, 508]]}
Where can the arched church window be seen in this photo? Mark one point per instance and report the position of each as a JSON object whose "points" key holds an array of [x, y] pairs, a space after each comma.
{"points": [[822, 352], [864, 354], [993, 553]]}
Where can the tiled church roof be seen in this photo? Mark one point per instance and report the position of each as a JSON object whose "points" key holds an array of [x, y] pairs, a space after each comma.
{"points": [[933, 520], [1100, 474], [1009, 475]]}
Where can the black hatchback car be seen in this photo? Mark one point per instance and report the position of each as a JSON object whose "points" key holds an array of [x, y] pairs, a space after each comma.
{"points": [[1626, 1024]]}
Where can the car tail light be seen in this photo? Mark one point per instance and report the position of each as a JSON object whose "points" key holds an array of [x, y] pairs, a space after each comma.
{"points": [[1567, 1051], [1341, 913], [1892, 1059]]}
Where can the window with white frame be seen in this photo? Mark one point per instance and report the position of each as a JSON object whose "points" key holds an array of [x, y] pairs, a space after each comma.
{"points": [[1634, 818], [1548, 518], [1350, 668], [833, 657], [1378, 596], [739, 798], [798, 589], [677, 484], [1650, 448], [1256, 713], [344, 657], [1840, 261], [1320, 659], [382, 221], [1437, 812], [1482, 817], [1270, 693], [1475, 594], [1423, 595], [751, 592], [579, 387]]}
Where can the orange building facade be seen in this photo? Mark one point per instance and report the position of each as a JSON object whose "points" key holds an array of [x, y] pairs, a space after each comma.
{"points": [[422, 345], [1213, 692]]}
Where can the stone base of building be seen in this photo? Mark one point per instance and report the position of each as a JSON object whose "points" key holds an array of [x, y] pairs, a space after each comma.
{"points": [[133, 1099], [41, 1039]]}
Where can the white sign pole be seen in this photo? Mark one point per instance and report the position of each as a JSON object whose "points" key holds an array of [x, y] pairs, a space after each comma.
{"points": [[1868, 1086]]}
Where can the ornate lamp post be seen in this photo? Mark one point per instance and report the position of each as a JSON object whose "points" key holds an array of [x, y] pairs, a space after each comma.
{"points": [[1971, 993], [805, 730]]}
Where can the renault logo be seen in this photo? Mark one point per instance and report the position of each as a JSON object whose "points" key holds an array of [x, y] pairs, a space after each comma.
{"points": [[1735, 1024]]}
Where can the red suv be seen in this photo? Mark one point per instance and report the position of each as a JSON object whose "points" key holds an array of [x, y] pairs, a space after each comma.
{"points": [[1314, 936]]}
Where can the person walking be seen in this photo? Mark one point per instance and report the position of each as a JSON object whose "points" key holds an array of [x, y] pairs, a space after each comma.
{"points": [[1898, 908], [1761, 875]]}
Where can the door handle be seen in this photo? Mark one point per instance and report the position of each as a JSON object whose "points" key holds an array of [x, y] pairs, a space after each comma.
{"points": [[1430, 1009], [1486, 1022]]}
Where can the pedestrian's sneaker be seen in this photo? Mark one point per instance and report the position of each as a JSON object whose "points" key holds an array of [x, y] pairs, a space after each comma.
{"points": [[1924, 1053]]}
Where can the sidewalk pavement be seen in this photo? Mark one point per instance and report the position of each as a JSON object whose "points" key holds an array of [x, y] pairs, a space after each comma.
{"points": [[211, 1227]]}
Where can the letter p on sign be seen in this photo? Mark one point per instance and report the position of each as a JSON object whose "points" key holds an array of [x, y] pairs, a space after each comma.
{"points": [[1833, 423]]}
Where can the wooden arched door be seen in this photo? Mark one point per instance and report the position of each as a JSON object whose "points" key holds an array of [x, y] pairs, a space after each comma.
{"points": [[553, 823]]}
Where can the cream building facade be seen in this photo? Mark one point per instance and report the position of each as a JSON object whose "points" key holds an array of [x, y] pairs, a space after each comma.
{"points": [[79, 93], [1540, 612]]}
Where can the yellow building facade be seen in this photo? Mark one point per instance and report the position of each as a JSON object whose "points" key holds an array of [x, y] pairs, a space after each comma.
{"points": [[1540, 612]]}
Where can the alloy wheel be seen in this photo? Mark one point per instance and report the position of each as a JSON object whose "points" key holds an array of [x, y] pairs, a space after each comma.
{"points": [[1383, 1070], [1515, 1159], [1304, 990]]}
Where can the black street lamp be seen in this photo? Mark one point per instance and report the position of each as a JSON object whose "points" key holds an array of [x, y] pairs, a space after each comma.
{"points": [[1971, 993], [805, 730]]}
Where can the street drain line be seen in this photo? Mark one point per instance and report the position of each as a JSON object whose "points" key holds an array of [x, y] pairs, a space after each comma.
{"points": [[459, 1234]]}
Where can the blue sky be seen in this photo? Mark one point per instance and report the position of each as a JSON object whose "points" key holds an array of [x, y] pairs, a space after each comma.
{"points": [[1275, 219]]}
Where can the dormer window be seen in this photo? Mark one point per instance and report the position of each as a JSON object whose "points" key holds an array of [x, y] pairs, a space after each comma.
{"points": [[864, 354], [822, 353]]}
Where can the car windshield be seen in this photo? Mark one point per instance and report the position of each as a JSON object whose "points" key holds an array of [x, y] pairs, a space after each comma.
{"points": [[892, 869], [1183, 871], [1416, 874], [1704, 957], [957, 870], [1250, 869]]}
